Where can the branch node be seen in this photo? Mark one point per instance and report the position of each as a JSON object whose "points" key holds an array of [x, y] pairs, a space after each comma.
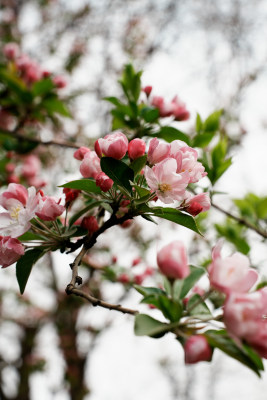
{"points": [[78, 280]]}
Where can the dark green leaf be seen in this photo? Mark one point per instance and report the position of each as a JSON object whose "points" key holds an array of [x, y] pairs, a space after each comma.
{"points": [[191, 280], [176, 216], [147, 291], [150, 114], [25, 264], [169, 134], [198, 307], [138, 164], [42, 87], [147, 326], [54, 105], [30, 236], [87, 185], [118, 171]]}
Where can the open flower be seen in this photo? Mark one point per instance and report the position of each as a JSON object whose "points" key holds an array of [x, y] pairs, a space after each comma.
{"points": [[231, 273], [157, 151], [163, 179], [21, 205], [90, 166], [10, 250], [49, 209], [113, 145]]}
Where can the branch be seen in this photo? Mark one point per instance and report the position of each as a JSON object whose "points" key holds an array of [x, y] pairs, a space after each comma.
{"points": [[20, 136], [241, 221], [97, 302]]}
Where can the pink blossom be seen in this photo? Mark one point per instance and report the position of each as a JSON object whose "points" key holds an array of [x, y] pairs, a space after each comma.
{"points": [[80, 153], [231, 273], [245, 318], [11, 50], [90, 166], [179, 110], [90, 223], [147, 90], [113, 145], [196, 348], [165, 109], [136, 148], [10, 250], [49, 209], [197, 204], [163, 179], [172, 260], [37, 182], [13, 179], [59, 81], [10, 168], [21, 206], [31, 166], [157, 151], [104, 182]]}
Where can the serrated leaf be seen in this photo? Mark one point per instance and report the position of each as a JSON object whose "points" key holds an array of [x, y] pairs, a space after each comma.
{"points": [[87, 185], [25, 264], [118, 171], [169, 134], [180, 218], [147, 326]]}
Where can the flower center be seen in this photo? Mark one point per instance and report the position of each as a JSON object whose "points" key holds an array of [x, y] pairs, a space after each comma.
{"points": [[164, 187], [14, 212]]}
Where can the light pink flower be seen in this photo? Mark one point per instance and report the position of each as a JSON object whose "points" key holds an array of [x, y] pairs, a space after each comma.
{"points": [[163, 179], [104, 182], [196, 348], [90, 166], [31, 166], [136, 148], [172, 260], [231, 273], [157, 151], [21, 206], [49, 209], [113, 145], [80, 153], [10, 250], [179, 110], [197, 204], [165, 109], [245, 318], [59, 81]]}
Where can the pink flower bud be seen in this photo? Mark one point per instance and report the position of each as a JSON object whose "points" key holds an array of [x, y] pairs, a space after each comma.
{"points": [[11, 250], [197, 349], [123, 278], [13, 179], [90, 223], [31, 166], [127, 223], [80, 153], [90, 166], [147, 90], [70, 195], [59, 81], [46, 74], [49, 209], [231, 273], [179, 110], [138, 279], [136, 261], [197, 204], [104, 182], [11, 51], [172, 260], [10, 168], [157, 151], [113, 145], [136, 148], [165, 110], [114, 259]]}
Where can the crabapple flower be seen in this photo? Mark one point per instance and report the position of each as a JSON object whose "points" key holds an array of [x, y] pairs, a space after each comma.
{"points": [[31, 166], [197, 204], [136, 148], [147, 90], [59, 81], [70, 195], [163, 179], [179, 110], [90, 166], [157, 151], [90, 223], [113, 145], [172, 260], [49, 209], [11, 50], [80, 153], [245, 318], [196, 348], [104, 182], [165, 110], [21, 205], [10, 250], [231, 273]]}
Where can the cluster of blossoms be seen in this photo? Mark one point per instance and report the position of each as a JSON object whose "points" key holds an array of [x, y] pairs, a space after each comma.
{"points": [[172, 167], [26, 170], [244, 313], [20, 206], [28, 70]]}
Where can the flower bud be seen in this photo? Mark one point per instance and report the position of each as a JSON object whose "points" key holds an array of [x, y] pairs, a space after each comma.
{"points": [[11, 250], [172, 260], [80, 153], [197, 349], [136, 148], [90, 223], [104, 182], [11, 51], [49, 209], [113, 145]]}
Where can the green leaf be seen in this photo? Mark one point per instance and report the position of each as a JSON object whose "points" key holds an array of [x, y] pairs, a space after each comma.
{"points": [[150, 114], [147, 291], [212, 123], [202, 140], [180, 218], [30, 236], [25, 264], [199, 123], [147, 326], [169, 134], [244, 355], [198, 307], [54, 105], [131, 82], [87, 185], [148, 218], [170, 308], [191, 280], [141, 191], [42, 87], [118, 171], [138, 164]]}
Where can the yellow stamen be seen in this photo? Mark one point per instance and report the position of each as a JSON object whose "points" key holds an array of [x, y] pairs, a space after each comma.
{"points": [[164, 187], [14, 213]]}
